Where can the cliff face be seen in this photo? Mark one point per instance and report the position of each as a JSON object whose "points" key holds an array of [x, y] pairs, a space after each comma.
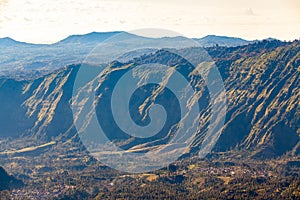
{"points": [[263, 102], [262, 87]]}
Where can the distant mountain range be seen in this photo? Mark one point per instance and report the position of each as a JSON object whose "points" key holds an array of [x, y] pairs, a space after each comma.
{"points": [[95, 37], [207, 41], [24, 60], [261, 80], [212, 40]]}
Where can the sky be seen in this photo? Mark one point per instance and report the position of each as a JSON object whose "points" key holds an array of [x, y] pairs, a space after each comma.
{"points": [[39, 21]]}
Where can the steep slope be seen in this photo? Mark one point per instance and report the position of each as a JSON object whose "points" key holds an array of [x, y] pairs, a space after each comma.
{"points": [[261, 79], [263, 102], [39, 107]]}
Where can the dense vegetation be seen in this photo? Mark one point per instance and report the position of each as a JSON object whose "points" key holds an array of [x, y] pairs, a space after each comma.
{"points": [[214, 178]]}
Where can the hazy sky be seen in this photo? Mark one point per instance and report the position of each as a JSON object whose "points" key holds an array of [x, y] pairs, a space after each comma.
{"points": [[41, 21]]}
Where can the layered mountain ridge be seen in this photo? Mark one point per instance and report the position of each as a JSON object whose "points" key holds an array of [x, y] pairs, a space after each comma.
{"points": [[24, 60], [262, 88]]}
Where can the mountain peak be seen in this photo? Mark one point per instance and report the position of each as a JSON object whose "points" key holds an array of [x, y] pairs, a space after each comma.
{"points": [[89, 37], [212, 40], [7, 41]]}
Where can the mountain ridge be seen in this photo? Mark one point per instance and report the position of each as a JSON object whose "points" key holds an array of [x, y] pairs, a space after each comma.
{"points": [[89, 37], [211, 40], [98, 35], [27, 61], [259, 87]]}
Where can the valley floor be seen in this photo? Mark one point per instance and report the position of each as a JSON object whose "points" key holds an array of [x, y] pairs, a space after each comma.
{"points": [[76, 175]]}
